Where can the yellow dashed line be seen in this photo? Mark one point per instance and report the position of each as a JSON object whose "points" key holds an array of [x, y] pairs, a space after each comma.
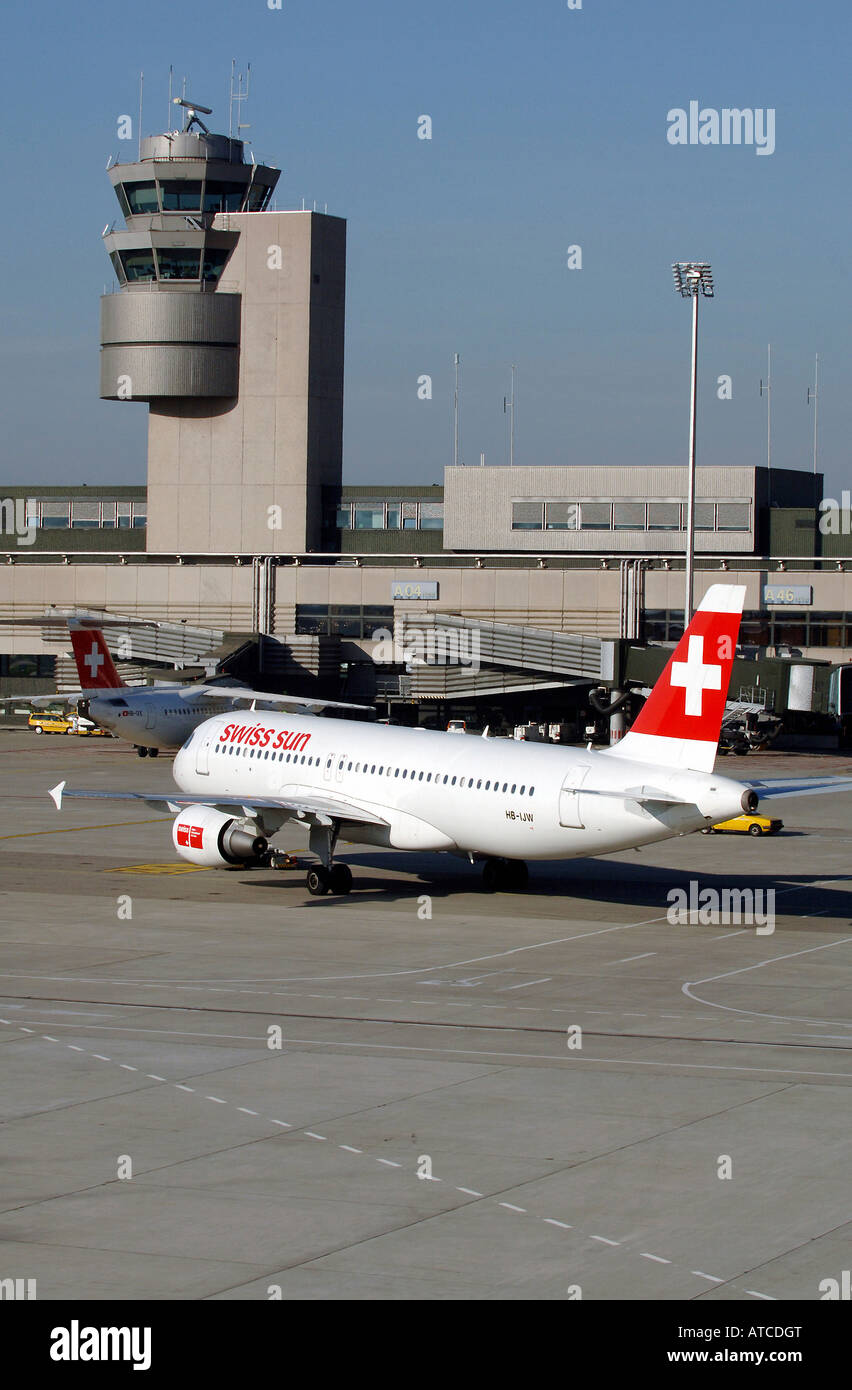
{"points": [[159, 869], [76, 829]]}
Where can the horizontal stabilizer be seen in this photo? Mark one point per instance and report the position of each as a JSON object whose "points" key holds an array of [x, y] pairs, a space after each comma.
{"points": [[770, 789], [641, 794]]}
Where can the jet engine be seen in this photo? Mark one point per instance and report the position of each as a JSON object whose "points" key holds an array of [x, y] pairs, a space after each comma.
{"points": [[205, 836]]}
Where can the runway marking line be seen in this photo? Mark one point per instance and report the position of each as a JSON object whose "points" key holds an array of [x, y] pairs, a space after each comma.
{"points": [[390, 1163]]}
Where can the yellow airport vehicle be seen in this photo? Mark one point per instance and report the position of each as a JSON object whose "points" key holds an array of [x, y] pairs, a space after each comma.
{"points": [[745, 825], [51, 721]]}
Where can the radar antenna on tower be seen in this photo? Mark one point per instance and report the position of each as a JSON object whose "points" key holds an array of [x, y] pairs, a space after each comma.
{"points": [[192, 108]]}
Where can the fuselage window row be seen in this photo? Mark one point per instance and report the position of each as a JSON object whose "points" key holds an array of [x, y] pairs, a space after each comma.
{"points": [[373, 770]]}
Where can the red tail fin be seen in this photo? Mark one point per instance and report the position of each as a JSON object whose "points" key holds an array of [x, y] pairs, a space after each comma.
{"points": [[95, 666], [680, 722]]}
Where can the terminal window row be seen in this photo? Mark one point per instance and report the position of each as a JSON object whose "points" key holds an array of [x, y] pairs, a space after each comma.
{"points": [[150, 196], [22, 667], [169, 263], [343, 620], [628, 516], [773, 628], [390, 516], [57, 515]]}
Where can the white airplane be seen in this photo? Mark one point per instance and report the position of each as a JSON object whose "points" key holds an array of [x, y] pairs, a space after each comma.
{"points": [[159, 716], [497, 800]]}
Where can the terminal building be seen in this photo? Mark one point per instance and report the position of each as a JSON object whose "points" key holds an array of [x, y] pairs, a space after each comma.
{"points": [[504, 593]]}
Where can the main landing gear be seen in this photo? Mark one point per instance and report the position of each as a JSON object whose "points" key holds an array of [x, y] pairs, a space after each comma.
{"points": [[337, 879], [147, 752], [504, 876], [327, 877]]}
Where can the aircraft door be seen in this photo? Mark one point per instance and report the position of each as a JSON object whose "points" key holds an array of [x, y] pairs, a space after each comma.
{"points": [[150, 714], [569, 798], [202, 753], [328, 767], [339, 766]]}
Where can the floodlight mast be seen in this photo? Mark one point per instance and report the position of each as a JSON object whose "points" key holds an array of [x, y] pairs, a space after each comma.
{"points": [[692, 279]]}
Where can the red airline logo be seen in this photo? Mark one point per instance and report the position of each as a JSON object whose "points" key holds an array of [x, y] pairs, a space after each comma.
{"points": [[258, 736], [190, 836]]}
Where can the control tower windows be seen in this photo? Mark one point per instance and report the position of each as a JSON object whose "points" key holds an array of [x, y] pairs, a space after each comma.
{"points": [[214, 262], [138, 265], [142, 197], [258, 194], [122, 200], [181, 195], [178, 263], [223, 197], [118, 267]]}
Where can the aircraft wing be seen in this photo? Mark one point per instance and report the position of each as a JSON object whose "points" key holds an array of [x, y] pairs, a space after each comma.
{"points": [[773, 787], [292, 703], [66, 697], [312, 809]]}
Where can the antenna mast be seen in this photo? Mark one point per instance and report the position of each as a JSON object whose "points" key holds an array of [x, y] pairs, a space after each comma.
{"points": [[141, 83], [768, 393], [813, 395], [456, 361], [238, 93]]}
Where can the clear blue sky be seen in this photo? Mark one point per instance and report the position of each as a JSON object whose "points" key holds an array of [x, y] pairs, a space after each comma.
{"points": [[549, 129]]}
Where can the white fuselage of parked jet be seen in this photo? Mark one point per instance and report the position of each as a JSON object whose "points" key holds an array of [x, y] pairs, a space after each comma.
{"points": [[479, 796], [150, 718]]}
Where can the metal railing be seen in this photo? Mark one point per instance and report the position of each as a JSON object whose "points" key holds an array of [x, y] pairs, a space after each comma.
{"points": [[432, 560]]}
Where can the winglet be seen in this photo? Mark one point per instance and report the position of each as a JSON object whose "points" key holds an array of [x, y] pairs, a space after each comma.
{"points": [[56, 793]]}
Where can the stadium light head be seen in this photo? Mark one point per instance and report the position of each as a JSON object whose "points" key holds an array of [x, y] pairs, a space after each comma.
{"points": [[693, 277]]}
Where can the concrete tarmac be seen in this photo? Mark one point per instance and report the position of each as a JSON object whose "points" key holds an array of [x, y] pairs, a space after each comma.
{"points": [[216, 1086]]}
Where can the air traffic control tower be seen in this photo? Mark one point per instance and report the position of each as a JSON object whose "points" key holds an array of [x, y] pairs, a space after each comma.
{"points": [[229, 323]]}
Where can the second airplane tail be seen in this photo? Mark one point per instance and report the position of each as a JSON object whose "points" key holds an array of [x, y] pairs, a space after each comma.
{"points": [[95, 665]]}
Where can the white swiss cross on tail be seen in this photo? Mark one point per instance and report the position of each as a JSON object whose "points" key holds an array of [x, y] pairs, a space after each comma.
{"points": [[695, 677], [94, 660], [679, 723]]}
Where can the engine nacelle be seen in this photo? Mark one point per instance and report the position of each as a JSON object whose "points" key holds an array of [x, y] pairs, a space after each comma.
{"points": [[205, 836]]}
